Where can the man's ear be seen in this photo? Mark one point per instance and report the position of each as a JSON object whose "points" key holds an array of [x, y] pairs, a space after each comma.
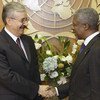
{"points": [[8, 21], [86, 26]]}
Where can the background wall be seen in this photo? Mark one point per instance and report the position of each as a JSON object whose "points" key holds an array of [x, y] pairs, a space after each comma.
{"points": [[52, 18]]}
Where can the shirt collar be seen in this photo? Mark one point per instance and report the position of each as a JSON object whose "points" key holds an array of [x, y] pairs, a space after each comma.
{"points": [[11, 34], [89, 38]]}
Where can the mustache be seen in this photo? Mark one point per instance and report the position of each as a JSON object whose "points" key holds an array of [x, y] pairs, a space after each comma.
{"points": [[23, 27]]}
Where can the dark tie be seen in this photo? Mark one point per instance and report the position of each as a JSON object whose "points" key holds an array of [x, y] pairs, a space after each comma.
{"points": [[18, 43], [82, 47]]}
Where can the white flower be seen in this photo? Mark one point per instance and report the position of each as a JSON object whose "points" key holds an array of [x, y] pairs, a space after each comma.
{"points": [[74, 51], [74, 48], [39, 36], [37, 45], [69, 59], [35, 39], [62, 58], [42, 76], [53, 74], [80, 42], [48, 52], [50, 64], [62, 80], [56, 56]]}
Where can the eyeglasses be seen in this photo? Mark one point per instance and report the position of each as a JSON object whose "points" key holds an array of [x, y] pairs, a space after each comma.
{"points": [[23, 20]]}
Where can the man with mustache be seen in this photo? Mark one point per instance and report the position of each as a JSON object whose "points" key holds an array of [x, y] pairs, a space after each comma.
{"points": [[19, 70]]}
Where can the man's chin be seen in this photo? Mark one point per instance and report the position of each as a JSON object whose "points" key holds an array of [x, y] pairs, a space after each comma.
{"points": [[21, 31], [80, 38]]}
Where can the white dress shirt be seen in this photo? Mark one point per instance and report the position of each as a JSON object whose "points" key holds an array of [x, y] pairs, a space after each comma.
{"points": [[89, 38]]}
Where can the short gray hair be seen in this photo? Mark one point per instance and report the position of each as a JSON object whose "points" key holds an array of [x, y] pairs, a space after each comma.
{"points": [[10, 8], [88, 16]]}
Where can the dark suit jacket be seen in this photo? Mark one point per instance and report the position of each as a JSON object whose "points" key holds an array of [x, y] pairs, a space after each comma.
{"points": [[85, 78], [19, 77]]}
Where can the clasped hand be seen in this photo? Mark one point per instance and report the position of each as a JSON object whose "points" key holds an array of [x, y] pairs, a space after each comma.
{"points": [[47, 91]]}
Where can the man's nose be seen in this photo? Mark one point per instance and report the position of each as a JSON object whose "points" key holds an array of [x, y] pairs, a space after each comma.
{"points": [[25, 23]]}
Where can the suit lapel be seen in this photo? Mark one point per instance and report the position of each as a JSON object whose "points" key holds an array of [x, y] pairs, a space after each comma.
{"points": [[78, 61], [82, 55], [16, 49]]}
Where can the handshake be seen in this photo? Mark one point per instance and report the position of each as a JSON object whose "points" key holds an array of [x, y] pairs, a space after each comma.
{"points": [[47, 91]]}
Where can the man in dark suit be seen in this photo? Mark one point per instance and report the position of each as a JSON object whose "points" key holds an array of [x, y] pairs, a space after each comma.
{"points": [[19, 70], [84, 82]]}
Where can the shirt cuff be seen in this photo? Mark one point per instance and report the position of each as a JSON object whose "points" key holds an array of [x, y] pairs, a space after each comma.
{"points": [[56, 91]]}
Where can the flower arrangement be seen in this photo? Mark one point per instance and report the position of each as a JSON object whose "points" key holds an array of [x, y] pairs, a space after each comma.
{"points": [[56, 62]]}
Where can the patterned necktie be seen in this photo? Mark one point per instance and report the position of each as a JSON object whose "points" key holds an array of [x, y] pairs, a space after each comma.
{"points": [[82, 47]]}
